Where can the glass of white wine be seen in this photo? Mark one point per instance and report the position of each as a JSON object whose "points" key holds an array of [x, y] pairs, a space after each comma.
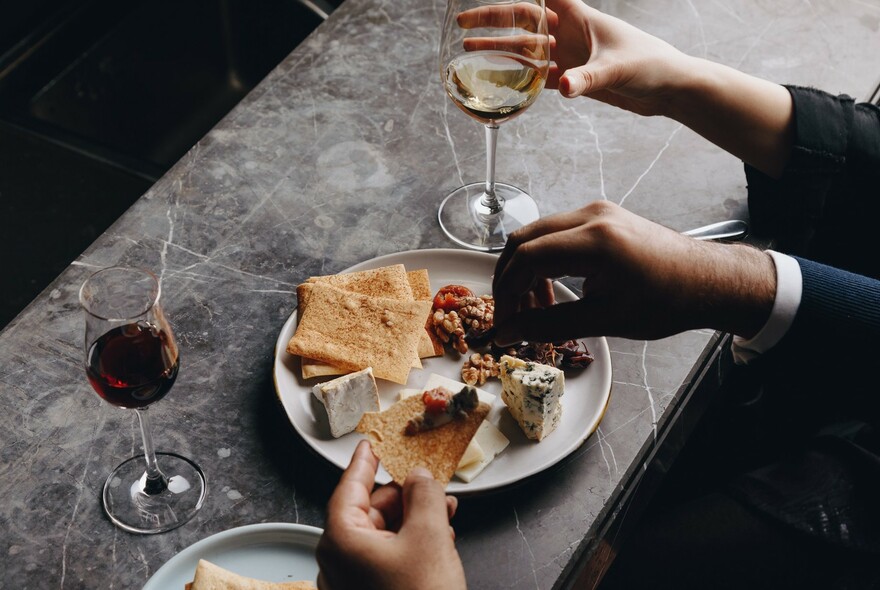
{"points": [[494, 58]]}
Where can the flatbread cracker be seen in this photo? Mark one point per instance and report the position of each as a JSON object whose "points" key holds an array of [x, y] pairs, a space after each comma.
{"points": [[210, 576], [421, 287], [387, 281], [354, 331], [439, 450]]}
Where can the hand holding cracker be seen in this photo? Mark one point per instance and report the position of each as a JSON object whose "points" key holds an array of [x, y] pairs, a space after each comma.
{"points": [[393, 538]]}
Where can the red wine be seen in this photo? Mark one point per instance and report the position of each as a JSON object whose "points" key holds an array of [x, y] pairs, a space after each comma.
{"points": [[133, 365]]}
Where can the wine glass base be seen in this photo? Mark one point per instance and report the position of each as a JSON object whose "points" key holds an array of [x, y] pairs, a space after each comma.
{"points": [[131, 508], [470, 224]]}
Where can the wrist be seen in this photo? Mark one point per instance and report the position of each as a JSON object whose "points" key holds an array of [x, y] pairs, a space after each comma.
{"points": [[736, 289]]}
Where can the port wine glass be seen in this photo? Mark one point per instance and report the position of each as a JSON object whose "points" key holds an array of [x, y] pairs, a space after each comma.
{"points": [[131, 360], [494, 59]]}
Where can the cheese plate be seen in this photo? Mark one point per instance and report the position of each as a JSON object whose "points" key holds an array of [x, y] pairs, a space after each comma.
{"points": [[587, 391]]}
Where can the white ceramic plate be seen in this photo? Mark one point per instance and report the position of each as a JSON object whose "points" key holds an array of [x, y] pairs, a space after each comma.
{"points": [[275, 552], [583, 403]]}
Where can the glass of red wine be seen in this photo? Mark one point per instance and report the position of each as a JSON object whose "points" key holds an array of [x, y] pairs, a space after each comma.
{"points": [[131, 360]]}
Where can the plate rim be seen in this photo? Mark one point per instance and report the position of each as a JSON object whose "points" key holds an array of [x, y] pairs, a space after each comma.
{"points": [[590, 429], [304, 531]]}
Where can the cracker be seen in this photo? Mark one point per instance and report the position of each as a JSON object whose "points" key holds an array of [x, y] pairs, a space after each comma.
{"points": [[355, 331], [439, 450], [429, 345], [387, 281], [210, 576]]}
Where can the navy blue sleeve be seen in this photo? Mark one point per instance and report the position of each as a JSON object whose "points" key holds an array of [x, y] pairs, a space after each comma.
{"points": [[836, 306]]}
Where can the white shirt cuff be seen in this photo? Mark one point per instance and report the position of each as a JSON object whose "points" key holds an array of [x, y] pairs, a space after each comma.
{"points": [[789, 286]]}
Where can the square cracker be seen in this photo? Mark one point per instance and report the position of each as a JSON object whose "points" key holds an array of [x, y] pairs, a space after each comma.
{"points": [[387, 281], [439, 450], [355, 331]]}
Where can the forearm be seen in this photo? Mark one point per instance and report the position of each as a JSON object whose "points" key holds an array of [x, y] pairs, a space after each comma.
{"points": [[749, 117]]}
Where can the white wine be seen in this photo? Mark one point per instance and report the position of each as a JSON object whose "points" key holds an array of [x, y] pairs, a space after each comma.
{"points": [[493, 85]]}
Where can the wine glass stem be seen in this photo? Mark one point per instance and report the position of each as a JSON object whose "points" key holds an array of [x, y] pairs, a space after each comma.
{"points": [[490, 200], [156, 481]]}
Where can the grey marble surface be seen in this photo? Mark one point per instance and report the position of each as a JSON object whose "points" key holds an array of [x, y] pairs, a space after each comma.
{"points": [[342, 154]]}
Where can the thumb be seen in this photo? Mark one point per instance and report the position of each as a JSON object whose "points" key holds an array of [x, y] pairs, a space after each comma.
{"points": [[585, 79], [424, 504]]}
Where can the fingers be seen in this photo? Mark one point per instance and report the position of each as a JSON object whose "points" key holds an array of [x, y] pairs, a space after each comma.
{"points": [[451, 506], [386, 507], [531, 264], [522, 15], [353, 490], [557, 323], [543, 226], [530, 46], [425, 505]]}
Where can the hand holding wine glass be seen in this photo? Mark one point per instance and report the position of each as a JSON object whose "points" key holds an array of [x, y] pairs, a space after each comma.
{"points": [[131, 360], [494, 59]]}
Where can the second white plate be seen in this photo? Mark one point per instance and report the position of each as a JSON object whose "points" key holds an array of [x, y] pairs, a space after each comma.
{"points": [[274, 552], [586, 391]]}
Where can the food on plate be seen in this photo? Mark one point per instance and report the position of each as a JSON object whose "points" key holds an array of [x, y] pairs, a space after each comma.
{"points": [[420, 283], [441, 407], [488, 443], [438, 449], [354, 331], [532, 392], [390, 281], [437, 380], [210, 576], [346, 399], [457, 315]]}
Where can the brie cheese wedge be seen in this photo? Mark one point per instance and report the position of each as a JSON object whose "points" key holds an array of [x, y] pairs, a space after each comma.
{"points": [[346, 399]]}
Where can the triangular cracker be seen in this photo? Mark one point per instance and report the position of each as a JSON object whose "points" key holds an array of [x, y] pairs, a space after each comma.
{"points": [[438, 450]]}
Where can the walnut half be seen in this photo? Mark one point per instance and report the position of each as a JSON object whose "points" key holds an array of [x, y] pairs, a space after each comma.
{"points": [[477, 369]]}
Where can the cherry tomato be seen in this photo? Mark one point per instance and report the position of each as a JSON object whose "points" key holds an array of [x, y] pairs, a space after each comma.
{"points": [[449, 296], [436, 400]]}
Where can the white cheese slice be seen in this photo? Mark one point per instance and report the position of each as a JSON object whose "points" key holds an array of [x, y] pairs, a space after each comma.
{"points": [[491, 441], [532, 392], [346, 399]]}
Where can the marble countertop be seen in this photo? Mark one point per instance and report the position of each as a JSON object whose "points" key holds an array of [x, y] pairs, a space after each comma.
{"points": [[342, 154]]}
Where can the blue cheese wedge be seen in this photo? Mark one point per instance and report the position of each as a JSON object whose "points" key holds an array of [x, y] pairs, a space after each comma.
{"points": [[346, 399], [532, 392]]}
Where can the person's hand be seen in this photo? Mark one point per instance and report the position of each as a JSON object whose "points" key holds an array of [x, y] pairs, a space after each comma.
{"points": [[391, 539], [604, 58], [641, 280], [607, 59], [592, 53]]}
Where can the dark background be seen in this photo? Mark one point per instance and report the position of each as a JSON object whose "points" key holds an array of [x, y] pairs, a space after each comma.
{"points": [[98, 99]]}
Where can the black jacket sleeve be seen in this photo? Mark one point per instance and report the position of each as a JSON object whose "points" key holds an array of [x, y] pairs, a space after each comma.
{"points": [[827, 203]]}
